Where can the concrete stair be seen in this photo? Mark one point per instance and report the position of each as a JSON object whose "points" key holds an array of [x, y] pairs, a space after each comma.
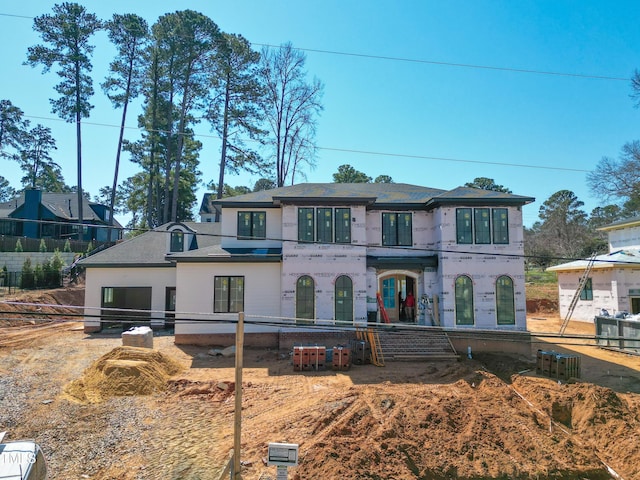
{"points": [[406, 343]]}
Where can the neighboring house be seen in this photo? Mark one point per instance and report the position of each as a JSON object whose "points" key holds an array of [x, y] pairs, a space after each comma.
{"points": [[613, 284], [317, 254], [55, 215]]}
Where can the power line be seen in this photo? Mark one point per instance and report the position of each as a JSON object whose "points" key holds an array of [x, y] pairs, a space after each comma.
{"points": [[427, 62], [452, 64], [343, 150]]}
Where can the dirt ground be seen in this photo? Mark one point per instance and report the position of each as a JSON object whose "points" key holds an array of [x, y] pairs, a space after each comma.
{"points": [[489, 417]]}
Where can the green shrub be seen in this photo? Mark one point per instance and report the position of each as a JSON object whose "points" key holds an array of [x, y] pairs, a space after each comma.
{"points": [[43, 246], [27, 279], [89, 246], [18, 246], [67, 246]]}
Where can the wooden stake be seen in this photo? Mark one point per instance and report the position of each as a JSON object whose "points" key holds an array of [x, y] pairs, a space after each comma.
{"points": [[237, 423]]}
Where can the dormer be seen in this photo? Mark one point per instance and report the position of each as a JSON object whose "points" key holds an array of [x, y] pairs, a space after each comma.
{"points": [[180, 238]]}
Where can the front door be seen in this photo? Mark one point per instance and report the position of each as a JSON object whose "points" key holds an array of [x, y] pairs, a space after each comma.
{"points": [[394, 290]]}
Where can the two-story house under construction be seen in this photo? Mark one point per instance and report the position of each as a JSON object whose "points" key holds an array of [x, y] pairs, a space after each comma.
{"points": [[321, 255]]}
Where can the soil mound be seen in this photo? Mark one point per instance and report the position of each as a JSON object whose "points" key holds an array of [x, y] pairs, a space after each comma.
{"points": [[124, 371]]}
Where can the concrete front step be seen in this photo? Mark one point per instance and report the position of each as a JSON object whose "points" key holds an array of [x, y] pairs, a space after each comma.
{"points": [[416, 345]]}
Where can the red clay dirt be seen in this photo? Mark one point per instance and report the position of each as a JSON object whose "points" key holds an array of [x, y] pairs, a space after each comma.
{"points": [[490, 417]]}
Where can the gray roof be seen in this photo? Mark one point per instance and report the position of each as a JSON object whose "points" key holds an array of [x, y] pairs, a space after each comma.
{"points": [[149, 249], [630, 222], [373, 194], [61, 205], [628, 257]]}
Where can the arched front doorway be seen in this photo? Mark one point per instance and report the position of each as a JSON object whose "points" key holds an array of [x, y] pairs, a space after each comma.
{"points": [[393, 288]]}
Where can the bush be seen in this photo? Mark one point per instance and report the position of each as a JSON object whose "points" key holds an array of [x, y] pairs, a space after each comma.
{"points": [[43, 246], [19, 246], [89, 247], [27, 279], [67, 246]]}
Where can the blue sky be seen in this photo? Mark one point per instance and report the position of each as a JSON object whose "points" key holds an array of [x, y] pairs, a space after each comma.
{"points": [[531, 132]]}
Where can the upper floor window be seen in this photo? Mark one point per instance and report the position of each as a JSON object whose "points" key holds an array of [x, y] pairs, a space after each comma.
{"points": [[587, 291], [463, 225], [177, 241], [482, 226], [397, 229], [324, 225], [252, 225], [500, 225], [482, 223]]}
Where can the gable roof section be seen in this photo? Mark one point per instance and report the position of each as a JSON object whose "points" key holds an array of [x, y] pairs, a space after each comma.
{"points": [[149, 249], [63, 206], [373, 195]]}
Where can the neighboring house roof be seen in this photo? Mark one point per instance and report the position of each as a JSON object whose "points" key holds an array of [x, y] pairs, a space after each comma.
{"points": [[620, 258], [216, 253], [149, 249], [625, 223], [61, 205], [375, 195]]}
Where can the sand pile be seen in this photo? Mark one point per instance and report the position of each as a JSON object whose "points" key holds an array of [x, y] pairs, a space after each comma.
{"points": [[123, 371]]}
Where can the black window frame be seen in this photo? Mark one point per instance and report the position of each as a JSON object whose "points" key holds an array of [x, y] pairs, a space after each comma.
{"points": [[253, 229], [464, 226], [500, 226], [228, 301], [342, 218], [587, 291], [306, 224], [324, 225], [395, 232], [175, 244], [482, 226]]}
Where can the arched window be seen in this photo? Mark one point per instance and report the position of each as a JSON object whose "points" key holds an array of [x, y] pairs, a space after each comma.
{"points": [[305, 297], [344, 299], [464, 300], [505, 304]]}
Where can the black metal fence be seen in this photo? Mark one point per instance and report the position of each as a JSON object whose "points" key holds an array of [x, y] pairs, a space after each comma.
{"points": [[12, 282]]}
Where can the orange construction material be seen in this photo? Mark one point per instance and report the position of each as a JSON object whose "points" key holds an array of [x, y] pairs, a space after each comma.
{"points": [[385, 316]]}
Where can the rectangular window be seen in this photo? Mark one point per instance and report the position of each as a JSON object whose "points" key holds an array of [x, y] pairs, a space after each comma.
{"points": [[587, 291], [343, 225], [170, 302], [228, 294], [305, 224], [463, 226], [252, 225], [482, 224], [500, 222], [324, 225], [177, 241], [397, 229]]}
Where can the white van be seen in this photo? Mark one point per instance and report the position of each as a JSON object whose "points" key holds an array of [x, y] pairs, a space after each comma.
{"points": [[21, 460]]}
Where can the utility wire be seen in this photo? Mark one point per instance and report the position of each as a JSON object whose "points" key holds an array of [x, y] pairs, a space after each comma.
{"points": [[424, 61], [368, 245], [452, 64]]}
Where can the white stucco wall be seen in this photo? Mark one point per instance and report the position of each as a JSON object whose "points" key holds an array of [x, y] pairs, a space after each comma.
{"points": [[603, 296], [229, 228], [194, 296], [158, 278]]}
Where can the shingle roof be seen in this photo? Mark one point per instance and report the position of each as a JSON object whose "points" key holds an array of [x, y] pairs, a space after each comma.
{"points": [[149, 249], [378, 194]]}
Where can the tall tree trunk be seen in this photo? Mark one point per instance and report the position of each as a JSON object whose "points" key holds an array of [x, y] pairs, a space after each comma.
{"points": [[79, 154], [223, 156]]}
